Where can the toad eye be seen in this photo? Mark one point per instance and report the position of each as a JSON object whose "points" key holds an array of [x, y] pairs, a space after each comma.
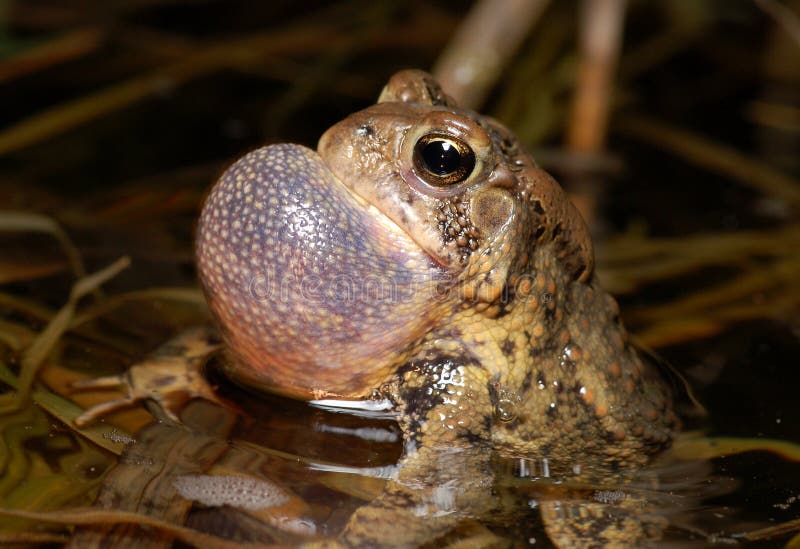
{"points": [[441, 159]]}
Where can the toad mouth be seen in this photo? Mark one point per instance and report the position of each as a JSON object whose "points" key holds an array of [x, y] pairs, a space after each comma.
{"points": [[386, 222]]}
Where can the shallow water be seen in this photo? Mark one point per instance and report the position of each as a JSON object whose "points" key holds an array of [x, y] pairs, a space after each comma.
{"points": [[128, 181]]}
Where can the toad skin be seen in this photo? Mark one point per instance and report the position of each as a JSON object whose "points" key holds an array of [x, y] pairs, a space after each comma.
{"points": [[420, 255]]}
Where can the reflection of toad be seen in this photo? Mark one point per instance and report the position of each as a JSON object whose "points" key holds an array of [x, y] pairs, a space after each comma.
{"points": [[421, 257]]}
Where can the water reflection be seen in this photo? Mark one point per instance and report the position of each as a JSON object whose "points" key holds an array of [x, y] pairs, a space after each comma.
{"points": [[318, 474]]}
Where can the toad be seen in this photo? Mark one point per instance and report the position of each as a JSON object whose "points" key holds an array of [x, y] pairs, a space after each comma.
{"points": [[420, 257]]}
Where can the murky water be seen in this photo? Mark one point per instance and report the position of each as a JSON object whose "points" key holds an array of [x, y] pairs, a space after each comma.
{"points": [[127, 180]]}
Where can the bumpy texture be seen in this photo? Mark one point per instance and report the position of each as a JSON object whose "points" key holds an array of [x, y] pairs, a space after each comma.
{"points": [[484, 322], [316, 295]]}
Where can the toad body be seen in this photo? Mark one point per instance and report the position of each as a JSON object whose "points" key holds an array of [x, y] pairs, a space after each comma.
{"points": [[420, 256]]}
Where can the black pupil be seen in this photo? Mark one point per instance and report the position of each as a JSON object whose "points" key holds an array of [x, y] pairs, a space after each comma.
{"points": [[441, 157]]}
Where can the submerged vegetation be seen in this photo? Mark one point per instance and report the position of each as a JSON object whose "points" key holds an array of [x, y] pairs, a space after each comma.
{"points": [[675, 125]]}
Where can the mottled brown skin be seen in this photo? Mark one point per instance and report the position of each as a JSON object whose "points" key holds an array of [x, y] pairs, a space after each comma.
{"points": [[485, 325]]}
